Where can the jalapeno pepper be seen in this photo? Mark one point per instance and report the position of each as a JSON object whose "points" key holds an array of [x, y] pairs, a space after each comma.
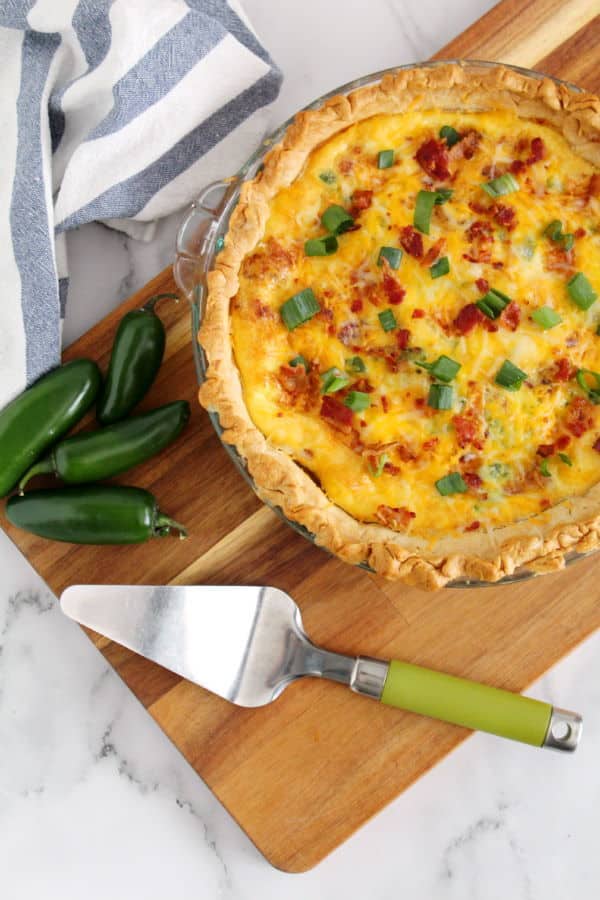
{"points": [[100, 454], [135, 360], [95, 514], [42, 414]]}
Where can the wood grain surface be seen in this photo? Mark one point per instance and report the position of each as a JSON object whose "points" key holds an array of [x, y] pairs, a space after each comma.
{"points": [[302, 774]]}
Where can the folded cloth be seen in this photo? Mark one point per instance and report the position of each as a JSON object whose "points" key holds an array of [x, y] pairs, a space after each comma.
{"points": [[116, 111]]}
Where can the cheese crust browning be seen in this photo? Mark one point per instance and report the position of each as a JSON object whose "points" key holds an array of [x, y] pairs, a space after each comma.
{"points": [[337, 417]]}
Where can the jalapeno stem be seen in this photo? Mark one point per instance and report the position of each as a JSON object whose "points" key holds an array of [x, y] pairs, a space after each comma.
{"points": [[149, 306], [43, 467], [163, 524]]}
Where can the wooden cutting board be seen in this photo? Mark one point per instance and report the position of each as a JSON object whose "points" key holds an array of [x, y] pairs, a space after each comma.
{"points": [[301, 775]]}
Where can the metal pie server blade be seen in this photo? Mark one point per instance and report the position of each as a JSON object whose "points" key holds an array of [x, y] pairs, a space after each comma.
{"points": [[247, 644]]}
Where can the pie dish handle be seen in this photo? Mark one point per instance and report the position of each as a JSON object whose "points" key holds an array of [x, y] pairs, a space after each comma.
{"points": [[480, 707]]}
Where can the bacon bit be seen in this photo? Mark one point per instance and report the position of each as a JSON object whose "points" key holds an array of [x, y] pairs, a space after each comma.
{"points": [[402, 338], [430, 444], [545, 450], [466, 147], [538, 151], [563, 371], [395, 293], [468, 318], [581, 232], [473, 480], [345, 166], [505, 216], [356, 305], [301, 387], [398, 518], [361, 200], [517, 166], [273, 261], [480, 235], [557, 259], [363, 385], [497, 264], [390, 469], [483, 285], [385, 403], [579, 418], [563, 441], [418, 314], [479, 229], [467, 430], [433, 158], [336, 414], [545, 503], [434, 252], [596, 445], [480, 209], [419, 402], [411, 241], [511, 316], [350, 333], [473, 526], [263, 311]]}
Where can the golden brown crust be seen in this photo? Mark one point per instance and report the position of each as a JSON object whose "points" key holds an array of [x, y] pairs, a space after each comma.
{"points": [[541, 542]]}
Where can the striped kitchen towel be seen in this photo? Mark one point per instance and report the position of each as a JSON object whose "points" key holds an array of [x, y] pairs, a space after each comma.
{"points": [[116, 111]]}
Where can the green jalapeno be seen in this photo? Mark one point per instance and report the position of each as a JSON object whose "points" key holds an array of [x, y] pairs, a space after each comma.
{"points": [[136, 356], [42, 414], [100, 454], [95, 514]]}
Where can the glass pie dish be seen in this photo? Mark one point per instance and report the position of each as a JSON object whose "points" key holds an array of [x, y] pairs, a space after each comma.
{"points": [[201, 236]]}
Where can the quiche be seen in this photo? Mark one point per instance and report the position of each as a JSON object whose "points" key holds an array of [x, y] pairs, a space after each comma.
{"points": [[402, 328]]}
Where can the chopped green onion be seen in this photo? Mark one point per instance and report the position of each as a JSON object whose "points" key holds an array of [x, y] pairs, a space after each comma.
{"points": [[502, 185], [544, 469], [336, 219], [393, 255], [492, 303], [566, 458], [426, 200], [299, 309], [323, 246], [554, 230], [444, 368], [328, 176], [567, 240], [382, 460], [357, 401], [545, 317], [451, 484], [440, 396], [333, 380], [387, 320], [509, 376], [439, 268], [299, 361], [450, 135], [354, 365], [593, 393], [385, 159], [581, 291]]}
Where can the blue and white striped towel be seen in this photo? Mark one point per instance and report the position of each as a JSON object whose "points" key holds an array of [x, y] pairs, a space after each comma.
{"points": [[117, 111]]}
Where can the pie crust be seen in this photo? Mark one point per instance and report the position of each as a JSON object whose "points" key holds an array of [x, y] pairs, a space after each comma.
{"points": [[538, 543]]}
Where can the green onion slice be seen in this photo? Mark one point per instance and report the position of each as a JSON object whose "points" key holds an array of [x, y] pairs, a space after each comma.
{"points": [[355, 365], [565, 458], [451, 484], [581, 291], [299, 361], [444, 368], [567, 240], [502, 185], [385, 159], [336, 219], [544, 469], [509, 376], [439, 268], [545, 317], [592, 391], [387, 320], [328, 176], [554, 230], [450, 135], [492, 303], [376, 472], [357, 401], [299, 309], [440, 396], [393, 255], [323, 246], [333, 380], [426, 200]]}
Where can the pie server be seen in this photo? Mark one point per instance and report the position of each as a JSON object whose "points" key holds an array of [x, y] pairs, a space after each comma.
{"points": [[247, 644]]}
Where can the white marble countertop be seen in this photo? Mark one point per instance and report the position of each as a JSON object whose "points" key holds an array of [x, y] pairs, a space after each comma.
{"points": [[95, 801]]}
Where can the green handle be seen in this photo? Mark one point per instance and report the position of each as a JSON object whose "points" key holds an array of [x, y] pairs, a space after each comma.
{"points": [[466, 703]]}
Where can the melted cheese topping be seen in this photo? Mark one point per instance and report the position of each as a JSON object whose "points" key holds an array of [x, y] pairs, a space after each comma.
{"points": [[421, 445]]}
